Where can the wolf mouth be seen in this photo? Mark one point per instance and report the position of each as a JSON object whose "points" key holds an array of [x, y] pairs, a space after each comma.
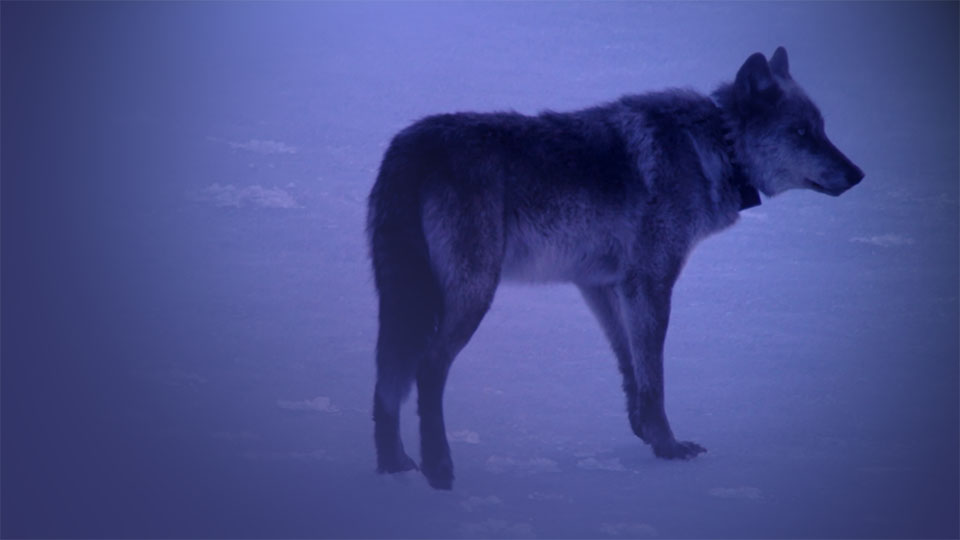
{"points": [[820, 189]]}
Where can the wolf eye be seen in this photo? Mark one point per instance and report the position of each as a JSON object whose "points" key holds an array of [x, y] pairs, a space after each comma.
{"points": [[801, 131]]}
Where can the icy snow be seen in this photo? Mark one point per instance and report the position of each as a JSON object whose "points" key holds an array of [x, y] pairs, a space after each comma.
{"points": [[256, 196], [189, 322], [319, 403], [884, 240]]}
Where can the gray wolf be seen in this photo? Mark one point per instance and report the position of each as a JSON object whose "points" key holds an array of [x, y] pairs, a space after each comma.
{"points": [[611, 198]]}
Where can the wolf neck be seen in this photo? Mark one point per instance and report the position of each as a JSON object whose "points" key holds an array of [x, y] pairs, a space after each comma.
{"points": [[749, 196]]}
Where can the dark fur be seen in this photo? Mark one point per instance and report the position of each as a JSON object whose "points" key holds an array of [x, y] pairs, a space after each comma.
{"points": [[611, 198]]}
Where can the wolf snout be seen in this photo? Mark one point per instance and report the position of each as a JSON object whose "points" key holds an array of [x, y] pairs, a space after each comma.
{"points": [[851, 177]]}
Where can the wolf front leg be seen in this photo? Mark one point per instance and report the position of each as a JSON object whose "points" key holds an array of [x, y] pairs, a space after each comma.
{"points": [[645, 304], [605, 304]]}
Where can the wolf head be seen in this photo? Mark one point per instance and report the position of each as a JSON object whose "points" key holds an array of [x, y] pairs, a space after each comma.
{"points": [[777, 132]]}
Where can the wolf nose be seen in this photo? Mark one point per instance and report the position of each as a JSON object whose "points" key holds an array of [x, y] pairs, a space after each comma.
{"points": [[855, 176]]}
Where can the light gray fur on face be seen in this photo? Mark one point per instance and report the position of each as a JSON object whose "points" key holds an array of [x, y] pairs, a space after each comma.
{"points": [[792, 151], [786, 147], [771, 151]]}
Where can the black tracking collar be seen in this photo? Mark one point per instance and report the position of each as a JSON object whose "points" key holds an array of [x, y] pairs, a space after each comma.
{"points": [[749, 196]]}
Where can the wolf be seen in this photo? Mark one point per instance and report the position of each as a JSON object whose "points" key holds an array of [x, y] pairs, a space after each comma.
{"points": [[611, 198]]}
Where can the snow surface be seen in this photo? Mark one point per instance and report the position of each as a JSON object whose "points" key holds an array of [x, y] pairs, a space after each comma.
{"points": [[189, 315]]}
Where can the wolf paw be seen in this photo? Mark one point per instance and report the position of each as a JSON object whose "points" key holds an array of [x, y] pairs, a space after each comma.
{"points": [[397, 464], [678, 450], [439, 475]]}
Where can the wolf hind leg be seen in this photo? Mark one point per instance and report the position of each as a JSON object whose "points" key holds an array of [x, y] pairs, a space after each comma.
{"points": [[406, 326], [464, 308], [464, 231], [391, 457]]}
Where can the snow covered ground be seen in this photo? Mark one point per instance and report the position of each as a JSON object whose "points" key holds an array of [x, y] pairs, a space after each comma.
{"points": [[189, 316]]}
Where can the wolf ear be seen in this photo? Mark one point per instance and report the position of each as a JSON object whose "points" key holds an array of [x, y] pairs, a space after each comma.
{"points": [[779, 64], [755, 85]]}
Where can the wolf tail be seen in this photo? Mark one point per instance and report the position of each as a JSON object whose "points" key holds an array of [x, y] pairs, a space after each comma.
{"points": [[410, 296]]}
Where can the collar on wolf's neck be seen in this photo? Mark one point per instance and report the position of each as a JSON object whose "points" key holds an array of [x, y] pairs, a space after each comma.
{"points": [[749, 196]]}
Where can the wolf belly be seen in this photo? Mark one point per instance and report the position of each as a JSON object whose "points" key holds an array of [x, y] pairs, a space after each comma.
{"points": [[565, 256]]}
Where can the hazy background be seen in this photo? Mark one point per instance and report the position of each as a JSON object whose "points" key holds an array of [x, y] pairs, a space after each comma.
{"points": [[188, 316]]}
